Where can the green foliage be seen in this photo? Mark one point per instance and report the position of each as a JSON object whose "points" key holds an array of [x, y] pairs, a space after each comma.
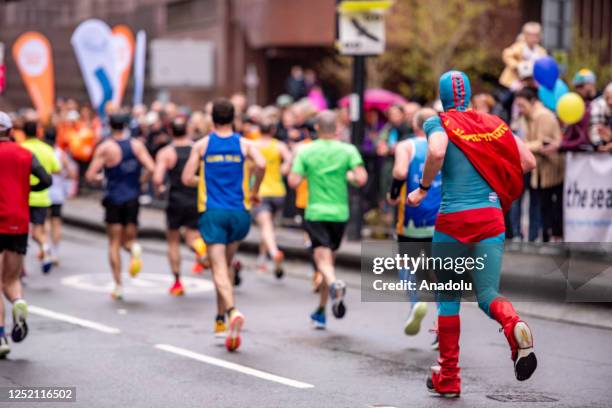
{"points": [[428, 37], [586, 53]]}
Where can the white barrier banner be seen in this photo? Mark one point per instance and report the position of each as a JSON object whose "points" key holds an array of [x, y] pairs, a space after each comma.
{"points": [[588, 197], [93, 44]]}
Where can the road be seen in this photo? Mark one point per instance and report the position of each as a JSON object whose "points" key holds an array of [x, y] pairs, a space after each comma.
{"points": [[154, 350]]}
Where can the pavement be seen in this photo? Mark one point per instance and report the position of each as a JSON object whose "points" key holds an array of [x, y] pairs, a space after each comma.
{"points": [[153, 350]]}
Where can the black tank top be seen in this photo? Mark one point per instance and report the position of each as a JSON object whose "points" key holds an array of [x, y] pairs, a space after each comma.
{"points": [[180, 194]]}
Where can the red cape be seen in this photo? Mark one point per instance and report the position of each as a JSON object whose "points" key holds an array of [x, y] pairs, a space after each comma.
{"points": [[488, 143]]}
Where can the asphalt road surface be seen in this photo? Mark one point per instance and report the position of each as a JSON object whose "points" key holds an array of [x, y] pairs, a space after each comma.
{"points": [[153, 350]]}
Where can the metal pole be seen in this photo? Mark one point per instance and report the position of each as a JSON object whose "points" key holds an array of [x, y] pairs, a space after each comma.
{"points": [[357, 135]]}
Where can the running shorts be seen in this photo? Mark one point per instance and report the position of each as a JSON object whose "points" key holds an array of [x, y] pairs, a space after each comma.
{"points": [[38, 215], [220, 226], [55, 210], [15, 243], [124, 213], [269, 204], [178, 216], [325, 233]]}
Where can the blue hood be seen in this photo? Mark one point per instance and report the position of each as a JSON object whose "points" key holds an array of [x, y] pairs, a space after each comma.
{"points": [[455, 90]]}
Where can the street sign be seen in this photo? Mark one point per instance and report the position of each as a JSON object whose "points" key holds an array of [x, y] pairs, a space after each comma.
{"points": [[362, 33], [361, 26]]}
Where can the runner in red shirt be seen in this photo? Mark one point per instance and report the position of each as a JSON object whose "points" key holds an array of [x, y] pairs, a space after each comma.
{"points": [[16, 166]]}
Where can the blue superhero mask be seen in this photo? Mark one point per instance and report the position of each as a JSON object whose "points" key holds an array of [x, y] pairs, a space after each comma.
{"points": [[455, 90]]}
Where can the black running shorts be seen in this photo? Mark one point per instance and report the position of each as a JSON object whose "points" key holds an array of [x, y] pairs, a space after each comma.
{"points": [[325, 233]]}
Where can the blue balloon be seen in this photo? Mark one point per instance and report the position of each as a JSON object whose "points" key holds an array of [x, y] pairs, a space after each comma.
{"points": [[546, 72], [550, 98]]}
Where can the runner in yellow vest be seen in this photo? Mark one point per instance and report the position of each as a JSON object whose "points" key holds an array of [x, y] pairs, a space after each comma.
{"points": [[272, 193]]}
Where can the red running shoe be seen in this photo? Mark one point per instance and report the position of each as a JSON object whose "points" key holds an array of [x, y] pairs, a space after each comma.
{"points": [[177, 289]]}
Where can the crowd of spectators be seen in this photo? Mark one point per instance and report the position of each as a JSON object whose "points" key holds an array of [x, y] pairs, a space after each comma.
{"points": [[77, 129]]}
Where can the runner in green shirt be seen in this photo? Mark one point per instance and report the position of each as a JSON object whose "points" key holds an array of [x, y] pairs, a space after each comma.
{"points": [[39, 200], [328, 165]]}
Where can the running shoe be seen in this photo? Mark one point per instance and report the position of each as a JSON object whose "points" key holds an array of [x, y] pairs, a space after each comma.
{"points": [[431, 388], [117, 293], [4, 347], [46, 262], [278, 268], [135, 260], [317, 318], [197, 269], [177, 289], [237, 267], [337, 291], [220, 328], [236, 320], [526, 362], [413, 324], [20, 326]]}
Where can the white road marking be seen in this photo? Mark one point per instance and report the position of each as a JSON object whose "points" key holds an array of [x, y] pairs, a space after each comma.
{"points": [[233, 366], [144, 284], [72, 320]]}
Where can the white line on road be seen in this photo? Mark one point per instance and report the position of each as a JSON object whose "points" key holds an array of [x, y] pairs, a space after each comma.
{"points": [[72, 320], [233, 366]]}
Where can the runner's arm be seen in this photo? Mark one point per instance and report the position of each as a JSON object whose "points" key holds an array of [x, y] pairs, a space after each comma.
{"points": [[296, 175], [94, 171], [357, 175], [403, 153], [159, 173], [436, 151], [259, 164], [190, 176], [44, 179], [287, 158], [528, 160], [72, 174], [143, 156]]}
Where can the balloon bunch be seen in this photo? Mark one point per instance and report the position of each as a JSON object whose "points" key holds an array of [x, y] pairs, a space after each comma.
{"points": [[554, 93]]}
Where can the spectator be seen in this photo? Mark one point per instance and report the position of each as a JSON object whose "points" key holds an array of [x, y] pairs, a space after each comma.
{"points": [[547, 178], [394, 131], [600, 126], [576, 136], [296, 83], [483, 102], [526, 48], [410, 109]]}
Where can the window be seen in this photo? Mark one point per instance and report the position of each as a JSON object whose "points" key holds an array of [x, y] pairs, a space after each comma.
{"points": [[557, 24]]}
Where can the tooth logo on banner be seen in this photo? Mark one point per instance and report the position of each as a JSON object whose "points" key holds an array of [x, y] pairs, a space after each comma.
{"points": [[94, 47], [32, 54]]}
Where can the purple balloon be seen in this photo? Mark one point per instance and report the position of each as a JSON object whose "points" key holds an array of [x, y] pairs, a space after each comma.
{"points": [[546, 72]]}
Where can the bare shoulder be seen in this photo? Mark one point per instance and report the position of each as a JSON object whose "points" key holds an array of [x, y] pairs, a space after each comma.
{"points": [[137, 143], [201, 145]]}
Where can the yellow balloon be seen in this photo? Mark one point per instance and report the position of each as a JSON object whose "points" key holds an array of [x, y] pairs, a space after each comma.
{"points": [[570, 108]]}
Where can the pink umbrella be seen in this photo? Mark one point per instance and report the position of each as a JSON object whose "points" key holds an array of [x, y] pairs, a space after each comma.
{"points": [[379, 99]]}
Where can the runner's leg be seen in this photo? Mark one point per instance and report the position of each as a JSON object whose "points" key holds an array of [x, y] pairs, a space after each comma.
{"points": [[11, 286], [114, 232], [173, 236]]}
